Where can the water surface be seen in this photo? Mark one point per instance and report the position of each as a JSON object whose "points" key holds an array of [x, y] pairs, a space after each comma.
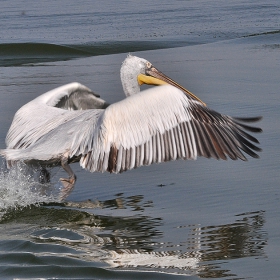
{"points": [[183, 219]]}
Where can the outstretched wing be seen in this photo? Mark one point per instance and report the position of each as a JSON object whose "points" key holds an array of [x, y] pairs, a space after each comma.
{"points": [[161, 124], [49, 110]]}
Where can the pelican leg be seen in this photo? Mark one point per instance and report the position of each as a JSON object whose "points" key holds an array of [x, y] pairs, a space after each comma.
{"points": [[44, 176], [68, 183]]}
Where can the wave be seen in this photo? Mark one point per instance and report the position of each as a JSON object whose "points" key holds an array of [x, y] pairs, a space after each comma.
{"points": [[262, 33], [17, 54]]}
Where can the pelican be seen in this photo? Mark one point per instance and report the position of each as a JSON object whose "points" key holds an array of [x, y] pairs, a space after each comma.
{"points": [[71, 123]]}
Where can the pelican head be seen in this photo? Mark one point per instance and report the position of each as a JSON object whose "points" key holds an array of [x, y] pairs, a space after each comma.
{"points": [[136, 71]]}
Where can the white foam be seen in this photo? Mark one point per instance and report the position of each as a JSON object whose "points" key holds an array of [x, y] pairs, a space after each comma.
{"points": [[19, 187]]}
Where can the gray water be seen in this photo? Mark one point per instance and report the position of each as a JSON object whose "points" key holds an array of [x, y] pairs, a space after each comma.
{"points": [[183, 219]]}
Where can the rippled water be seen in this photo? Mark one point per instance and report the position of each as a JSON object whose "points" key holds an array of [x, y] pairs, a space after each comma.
{"points": [[183, 219], [93, 242]]}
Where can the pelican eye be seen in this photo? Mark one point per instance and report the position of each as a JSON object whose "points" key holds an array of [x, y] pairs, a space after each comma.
{"points": [[148, 65], [149, 68]]}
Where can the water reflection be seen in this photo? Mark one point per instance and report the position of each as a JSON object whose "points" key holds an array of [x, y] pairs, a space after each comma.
{"points": [[135, 242], [243, 238], [135, 202]]}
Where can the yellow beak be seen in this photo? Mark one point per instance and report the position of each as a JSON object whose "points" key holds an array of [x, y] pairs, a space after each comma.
{"points": [[155, 77]]}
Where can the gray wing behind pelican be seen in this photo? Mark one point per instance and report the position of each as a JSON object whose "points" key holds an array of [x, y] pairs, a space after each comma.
{"points": [[46, 112]]}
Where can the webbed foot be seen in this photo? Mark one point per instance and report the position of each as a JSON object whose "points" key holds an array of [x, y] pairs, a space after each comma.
{"points": [[68, 186]]}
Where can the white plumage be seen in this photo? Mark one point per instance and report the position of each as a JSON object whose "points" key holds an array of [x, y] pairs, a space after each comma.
{"points": [[162, 123]]}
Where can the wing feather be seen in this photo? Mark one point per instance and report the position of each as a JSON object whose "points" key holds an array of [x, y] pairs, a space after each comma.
{"points": [[173, 145], [217, 142], [150, 148], [119, 160], [123, 168], [158, 148], [162, 148]]}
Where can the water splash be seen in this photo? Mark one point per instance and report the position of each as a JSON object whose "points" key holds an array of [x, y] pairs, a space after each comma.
{"points": [[20, 187]]}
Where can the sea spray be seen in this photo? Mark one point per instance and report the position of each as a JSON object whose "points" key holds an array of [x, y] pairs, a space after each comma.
{"points": [[20, 187]]}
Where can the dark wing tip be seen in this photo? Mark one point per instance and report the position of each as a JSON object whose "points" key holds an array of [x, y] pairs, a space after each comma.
{"points": [[227, 133], [251, 119], [241, 121]]}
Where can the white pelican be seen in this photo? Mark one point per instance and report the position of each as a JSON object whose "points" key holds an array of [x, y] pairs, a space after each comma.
{"points": [[71, 123]]}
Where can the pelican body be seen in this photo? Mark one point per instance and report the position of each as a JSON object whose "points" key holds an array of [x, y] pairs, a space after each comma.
{"points": [[168, 122]]}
